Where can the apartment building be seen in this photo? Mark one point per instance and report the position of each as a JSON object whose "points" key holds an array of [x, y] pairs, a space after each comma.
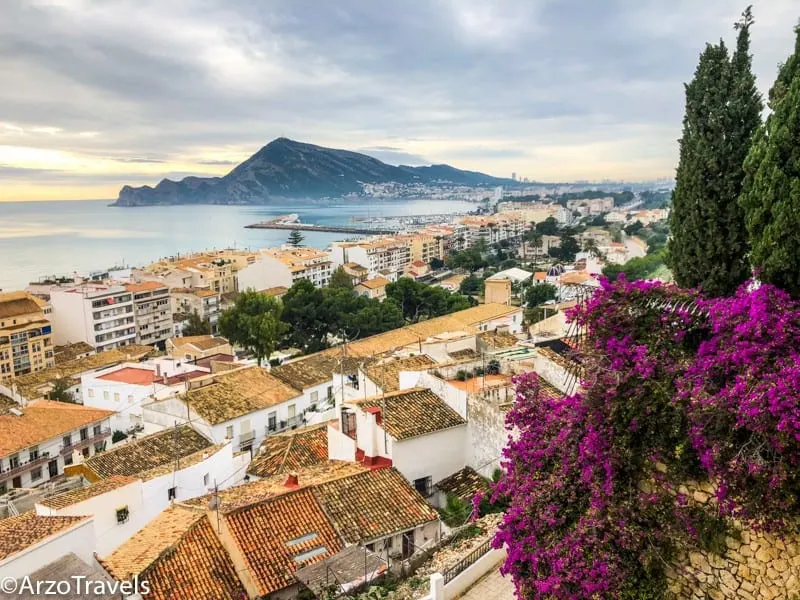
{"points": [[213, 270], [382, 255], [38, 440], [426, 246], [282, 267], [152, 312], [495, 228], [26, 344], [591, 206], [206, 302], [96, 313]]}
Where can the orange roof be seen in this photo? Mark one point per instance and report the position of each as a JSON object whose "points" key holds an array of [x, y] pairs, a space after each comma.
{"points": [[85, 493], [575, 277], [540, 275], [16, 304], [374, 284], [131, 375], [476, 384], [419, 263], [23, 531], [145, 286], [291, 450], [44, 420]]}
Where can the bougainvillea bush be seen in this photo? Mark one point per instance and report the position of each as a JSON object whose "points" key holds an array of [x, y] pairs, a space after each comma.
{"points": [[675, 387]]}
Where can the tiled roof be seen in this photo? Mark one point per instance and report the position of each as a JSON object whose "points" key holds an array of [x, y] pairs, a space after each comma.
{"points": [[17, 304], [463, 354], [66, 567], [464, 484], [413, 412], [6, 404], [275, 536], [161, 534], [23, 531], [278, 290], [198, 568], [150, 452], [355, 267], [131, 375], [373, 504], [71, 351], [28, 385], [374, 284], [238, 392], [201, 342], [44, 420], [145, 286], [315, 369], [85, 493], [386, 375], [291, 450], [496, 340]]}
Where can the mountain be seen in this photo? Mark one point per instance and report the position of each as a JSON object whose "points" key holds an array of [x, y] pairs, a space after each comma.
{"points": [[286, 169]]}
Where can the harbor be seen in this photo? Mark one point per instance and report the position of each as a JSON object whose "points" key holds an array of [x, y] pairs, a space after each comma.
{"points": [[292, 222]]}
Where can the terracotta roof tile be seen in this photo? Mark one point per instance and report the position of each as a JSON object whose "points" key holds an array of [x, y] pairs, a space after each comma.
{"points": [[386, 375], [278, 290], [144, 454], [85, 493], [201, 342], [145, 286], [464, 484], [238, 392], [43, 420], [17, 304], [413, 412], [69, 352], [281, 535], [23, 531], [496, 340], [315, 369], [374, 284], [373, 504], [464, 354], [291, 450]]}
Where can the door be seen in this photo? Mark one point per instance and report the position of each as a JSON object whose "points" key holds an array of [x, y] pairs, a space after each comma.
{"points": [[16, 482], [408, 544], [52, 468]]}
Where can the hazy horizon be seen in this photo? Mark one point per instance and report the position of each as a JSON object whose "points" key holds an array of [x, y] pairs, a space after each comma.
{"points": [[100, 95]]}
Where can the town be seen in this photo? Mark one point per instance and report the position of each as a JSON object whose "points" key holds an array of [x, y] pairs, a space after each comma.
{"points": [[134, 432]]}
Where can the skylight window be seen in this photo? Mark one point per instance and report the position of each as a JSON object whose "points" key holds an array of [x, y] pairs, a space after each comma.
{"points": [[310, 554], [303, 538]]}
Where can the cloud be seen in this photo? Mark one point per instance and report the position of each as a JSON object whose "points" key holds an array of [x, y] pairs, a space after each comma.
{"points": [[551, 90], [394, 156]]}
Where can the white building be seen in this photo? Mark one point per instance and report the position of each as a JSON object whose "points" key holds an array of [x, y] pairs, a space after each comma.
{"points": [[282, 267], [206, 302], [380, 255], [98, 314], [39, 440], [152, 312]]}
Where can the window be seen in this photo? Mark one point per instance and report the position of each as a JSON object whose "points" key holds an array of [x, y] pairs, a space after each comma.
{"points": [[122, 515], [3, 487], [13, 461], [36, 474], [423, 486], [272, 421], [205, 480], [330, 392], [105, 395], [130, 398], [68, 460], [33, 453], [229, 432], [96, 430], [67, 439], [84, 434], [171, 493], [314, 397], [90, 393], [116, 396]]}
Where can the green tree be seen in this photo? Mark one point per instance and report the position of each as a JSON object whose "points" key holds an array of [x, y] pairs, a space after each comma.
{"points": [[709, 242], [60, 391], [471, 286], [568, 248], [539, 294], [771, 196], [295, 238], [470, 259], [436, 264], [547, 227], [634, 228], [419, 301], [306, 312], [340, 279], [254, 322], [195, 325]]}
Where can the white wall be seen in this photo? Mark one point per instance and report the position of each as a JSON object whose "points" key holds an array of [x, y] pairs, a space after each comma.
{"points": [[71, 321], [340, 446], [265, 272], [123, 398], [436, 455], [78, 539], [103, 508], [166, 413], [257, 421], [454, 397]]}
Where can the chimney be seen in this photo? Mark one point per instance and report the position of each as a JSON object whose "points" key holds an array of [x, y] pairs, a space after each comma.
{"points": [[291, 480]]}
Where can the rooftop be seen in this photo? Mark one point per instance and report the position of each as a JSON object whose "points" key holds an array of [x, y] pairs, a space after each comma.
{"points": [[145, 286], [291, 450], [279, 290], [464, 484], [199, 292], [476, 384], [131, 375], [496, 340], [44, 420], [346, 566], [201, 342], [386, 374], [374, 284], [85, 493], [236, 393], [21, 532], [315, 369], [69, 352], [66, 567], [413, 412], [18, 304], [141, 456]]}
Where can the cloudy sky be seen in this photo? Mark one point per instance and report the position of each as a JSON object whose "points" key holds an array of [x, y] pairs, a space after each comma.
{"points": [[98, 93]]}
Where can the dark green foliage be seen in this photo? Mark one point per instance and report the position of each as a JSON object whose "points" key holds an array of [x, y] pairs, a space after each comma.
{"points": [[196, 326], [340, 279], [547, 227], [539, 294], [655, 199], [598, 221], [636, 268], [771, 195], [254, 323], [472, 286], [305, 310], [419, 301], [118, 436], [436, 264], [60, 391], [709, 244], [470, 259], [295, 238], [634, 228], [456, 512]]}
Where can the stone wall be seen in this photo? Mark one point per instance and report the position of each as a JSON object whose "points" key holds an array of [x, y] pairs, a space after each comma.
{"points": [[757, 566]]}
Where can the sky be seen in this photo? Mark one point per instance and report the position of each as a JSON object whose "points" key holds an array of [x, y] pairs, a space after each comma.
{"points": [[95, 94]]}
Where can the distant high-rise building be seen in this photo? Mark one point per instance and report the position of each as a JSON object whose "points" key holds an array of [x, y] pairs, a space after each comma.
{"points": [[514, 176]]}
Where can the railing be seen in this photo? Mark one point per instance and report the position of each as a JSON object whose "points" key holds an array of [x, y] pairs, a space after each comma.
{"points": [[104, 433], [247, 438], [24, 466], [469, 560]]}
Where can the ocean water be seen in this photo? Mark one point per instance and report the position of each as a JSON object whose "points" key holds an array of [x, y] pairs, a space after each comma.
{"points": [[58, 238]]}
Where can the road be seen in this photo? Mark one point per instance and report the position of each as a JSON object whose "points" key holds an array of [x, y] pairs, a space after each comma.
{"points": [[634, 249], [493, 586]]}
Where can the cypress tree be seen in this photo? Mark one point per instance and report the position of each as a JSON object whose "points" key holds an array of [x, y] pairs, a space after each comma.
{"points": [[709, 243], [771, 196]]}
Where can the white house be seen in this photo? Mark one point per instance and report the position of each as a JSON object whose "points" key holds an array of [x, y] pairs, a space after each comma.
{"points": [[242, 405], [282, 267]]}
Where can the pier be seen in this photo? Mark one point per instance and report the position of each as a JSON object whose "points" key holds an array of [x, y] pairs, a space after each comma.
{"points": [[321, 228]]}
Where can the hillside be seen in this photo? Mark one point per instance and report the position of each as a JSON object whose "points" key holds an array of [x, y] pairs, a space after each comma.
{"points": [[285, 169]]}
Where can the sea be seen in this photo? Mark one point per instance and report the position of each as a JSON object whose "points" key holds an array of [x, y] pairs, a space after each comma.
{"points": [[39, 239]]}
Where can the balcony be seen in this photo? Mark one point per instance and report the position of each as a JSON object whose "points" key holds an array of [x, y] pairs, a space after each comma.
{"points": [[80, 444], [246, 439], [22, 467]]}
